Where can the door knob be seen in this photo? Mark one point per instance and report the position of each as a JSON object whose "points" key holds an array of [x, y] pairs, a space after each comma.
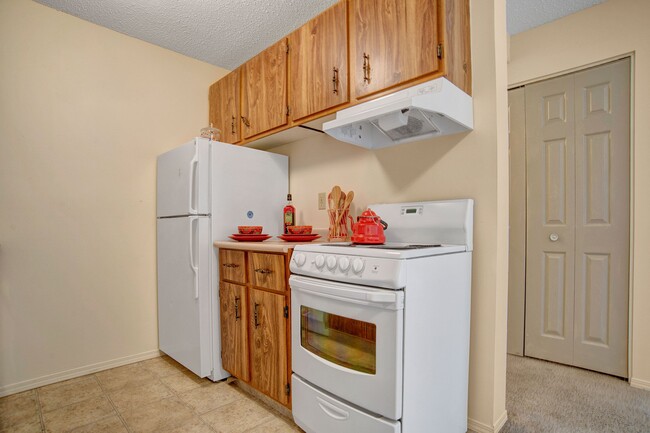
{"points": [[554, 237]]}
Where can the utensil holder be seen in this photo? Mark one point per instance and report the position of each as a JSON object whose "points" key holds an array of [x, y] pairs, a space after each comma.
{"points": [[338, 231]]}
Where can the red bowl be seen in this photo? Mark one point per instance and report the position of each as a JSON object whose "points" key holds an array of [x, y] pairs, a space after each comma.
{"points": [[299, 230], [249, 230]]}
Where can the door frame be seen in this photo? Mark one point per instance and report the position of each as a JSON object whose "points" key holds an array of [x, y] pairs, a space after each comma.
{"points": [[631, 56]]}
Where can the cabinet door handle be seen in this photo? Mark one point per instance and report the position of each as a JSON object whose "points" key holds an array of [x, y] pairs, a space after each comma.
{"points": [[335, 81], [232, 125], [263, 271], [246, 121], [237, 316], [256, 315], [230, 265], [366, 68]]}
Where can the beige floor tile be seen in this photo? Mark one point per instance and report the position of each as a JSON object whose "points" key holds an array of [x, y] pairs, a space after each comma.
{"points": [[194, 425], [183, 381], [210, 397], [160, 416], [68, 392], [18, 409], [137, 393], [29, 427], [277, 425], [112, 424], [238, 416], [162, 367], [117, 378], [78, 414]]}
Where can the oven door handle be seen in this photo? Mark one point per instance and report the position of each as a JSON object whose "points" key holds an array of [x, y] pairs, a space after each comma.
{"points": [[349, 293]]}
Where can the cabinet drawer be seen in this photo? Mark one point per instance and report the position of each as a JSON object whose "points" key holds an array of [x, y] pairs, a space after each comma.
{"points": [[232, 265], [267, 271]]}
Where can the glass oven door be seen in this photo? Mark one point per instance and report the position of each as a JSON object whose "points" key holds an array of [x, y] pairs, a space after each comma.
{"points": [[347, 340]]}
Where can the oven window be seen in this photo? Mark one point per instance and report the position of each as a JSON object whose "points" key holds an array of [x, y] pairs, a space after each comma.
{"points": [[347, 342]]}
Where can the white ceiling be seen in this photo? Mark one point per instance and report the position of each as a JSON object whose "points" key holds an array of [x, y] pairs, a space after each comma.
{"points": [[226, 33]]}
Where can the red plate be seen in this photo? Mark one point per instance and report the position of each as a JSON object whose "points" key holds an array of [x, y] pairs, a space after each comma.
{"points": [[250, 238], [299, 238]]}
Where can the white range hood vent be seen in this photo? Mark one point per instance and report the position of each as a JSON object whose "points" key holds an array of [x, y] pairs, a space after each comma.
{"points": [[430, 109]]}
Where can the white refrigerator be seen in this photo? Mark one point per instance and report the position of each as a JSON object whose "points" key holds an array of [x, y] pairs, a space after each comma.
{"points": [[205, 189]]}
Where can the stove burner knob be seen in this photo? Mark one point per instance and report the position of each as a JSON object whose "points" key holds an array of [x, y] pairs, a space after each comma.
{"points": [[344, 263], [320, 261], [331, 263], [300, 259], [357, 265]]}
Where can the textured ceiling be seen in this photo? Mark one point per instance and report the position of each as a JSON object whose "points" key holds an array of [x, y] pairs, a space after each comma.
{"points": [[525, 14], [226, 33]]}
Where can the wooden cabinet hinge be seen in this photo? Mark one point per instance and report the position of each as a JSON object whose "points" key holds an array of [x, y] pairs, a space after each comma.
{"points": [[286, 312], [440, 51], [287, 389]]}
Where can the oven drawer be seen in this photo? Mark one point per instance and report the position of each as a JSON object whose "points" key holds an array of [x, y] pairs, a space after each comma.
{"points": [[316, 412]]}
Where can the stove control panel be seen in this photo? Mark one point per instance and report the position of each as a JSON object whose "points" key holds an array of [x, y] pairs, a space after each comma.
{"points": [[368, 271]]}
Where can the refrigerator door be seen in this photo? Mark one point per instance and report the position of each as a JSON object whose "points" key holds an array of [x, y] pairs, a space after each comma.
{"points": [[183, 180], [184, 295]]}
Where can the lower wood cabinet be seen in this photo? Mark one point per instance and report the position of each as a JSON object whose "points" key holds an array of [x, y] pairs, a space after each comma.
{"points": [[255, 322]]}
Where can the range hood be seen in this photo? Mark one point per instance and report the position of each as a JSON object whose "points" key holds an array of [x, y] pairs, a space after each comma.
{"points": [[430, 109]]}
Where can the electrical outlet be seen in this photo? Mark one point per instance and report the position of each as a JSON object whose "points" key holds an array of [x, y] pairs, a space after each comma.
{"points": [[322, 201]]}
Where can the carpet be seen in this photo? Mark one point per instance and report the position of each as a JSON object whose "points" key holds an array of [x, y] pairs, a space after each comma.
{"points": [[546, 397]]}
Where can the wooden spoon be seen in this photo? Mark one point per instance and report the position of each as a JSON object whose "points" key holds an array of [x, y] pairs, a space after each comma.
{"points": [[336, 197], [346, 205]]}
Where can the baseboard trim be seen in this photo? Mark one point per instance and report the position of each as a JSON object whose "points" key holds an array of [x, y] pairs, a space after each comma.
{"points": [[640, 383], [76, 372], [479, 427]]}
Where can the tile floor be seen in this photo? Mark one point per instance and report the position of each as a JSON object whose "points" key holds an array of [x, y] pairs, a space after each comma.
{"points": [[157, 395]]}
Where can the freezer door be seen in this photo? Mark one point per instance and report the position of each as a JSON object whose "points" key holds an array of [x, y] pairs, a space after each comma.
{"points": [[183, 180], [184, 296]]}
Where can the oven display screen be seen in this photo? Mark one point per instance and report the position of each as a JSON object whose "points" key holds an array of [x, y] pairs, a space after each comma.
{"points": [[411, 210], [347, 342]]}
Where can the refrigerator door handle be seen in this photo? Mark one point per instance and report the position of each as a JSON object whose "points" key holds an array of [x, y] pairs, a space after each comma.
{"points": [[195, 268], [193, 164]]}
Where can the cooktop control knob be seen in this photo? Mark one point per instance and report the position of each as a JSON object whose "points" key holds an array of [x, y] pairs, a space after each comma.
{"points": [[331, 262], [344, 263], [300, 259], [357, 265], [320, 261]]}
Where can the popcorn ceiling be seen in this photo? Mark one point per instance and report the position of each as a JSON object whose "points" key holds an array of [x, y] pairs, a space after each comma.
{"points": [[525, 14], [224, 33]]}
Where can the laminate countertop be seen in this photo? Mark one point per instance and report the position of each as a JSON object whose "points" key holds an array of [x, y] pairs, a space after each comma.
{"points": [[269, 246]]}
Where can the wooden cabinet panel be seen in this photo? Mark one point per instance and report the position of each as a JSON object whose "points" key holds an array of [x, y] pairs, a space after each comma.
{"points": [[268, 327], [232, 266], [264, 90], [234, 334], [224, 107], [267, 271], [318, 59], [392, 42]]}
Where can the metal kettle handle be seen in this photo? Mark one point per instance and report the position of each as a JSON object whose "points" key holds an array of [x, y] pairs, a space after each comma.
{"points": [[383, 223]]}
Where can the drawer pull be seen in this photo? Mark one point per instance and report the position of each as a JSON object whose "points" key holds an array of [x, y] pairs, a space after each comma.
{"points": [[332, 411], [263, 271], [237, 316], [230, 265], [256, 315]]}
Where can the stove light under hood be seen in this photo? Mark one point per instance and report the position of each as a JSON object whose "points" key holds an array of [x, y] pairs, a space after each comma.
{"points": [[431, 109]]}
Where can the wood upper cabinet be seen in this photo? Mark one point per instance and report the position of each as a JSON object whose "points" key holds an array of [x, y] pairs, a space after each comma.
{"points": [[264, 91], [234, 330], [269, 360], [318, 59], [224, 107], [392, 41]]}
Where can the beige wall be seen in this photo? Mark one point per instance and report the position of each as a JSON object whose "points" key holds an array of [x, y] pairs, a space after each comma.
{"points": [[611, 29], [473, 165], [83, 113]]}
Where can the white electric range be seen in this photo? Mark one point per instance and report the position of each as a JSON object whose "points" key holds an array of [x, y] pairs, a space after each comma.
{"points": [[380, 333]]}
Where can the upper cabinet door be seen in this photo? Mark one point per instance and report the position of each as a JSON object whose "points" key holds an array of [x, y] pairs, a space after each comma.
{"points": [[392, 42], [319, 63], [264, 90], [224, 107]]}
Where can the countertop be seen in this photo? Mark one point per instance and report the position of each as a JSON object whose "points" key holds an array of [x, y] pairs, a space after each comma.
{"points": [[271, 245]]}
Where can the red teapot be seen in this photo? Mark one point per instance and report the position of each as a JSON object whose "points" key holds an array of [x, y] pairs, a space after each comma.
{"points": [[369, 228]]}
